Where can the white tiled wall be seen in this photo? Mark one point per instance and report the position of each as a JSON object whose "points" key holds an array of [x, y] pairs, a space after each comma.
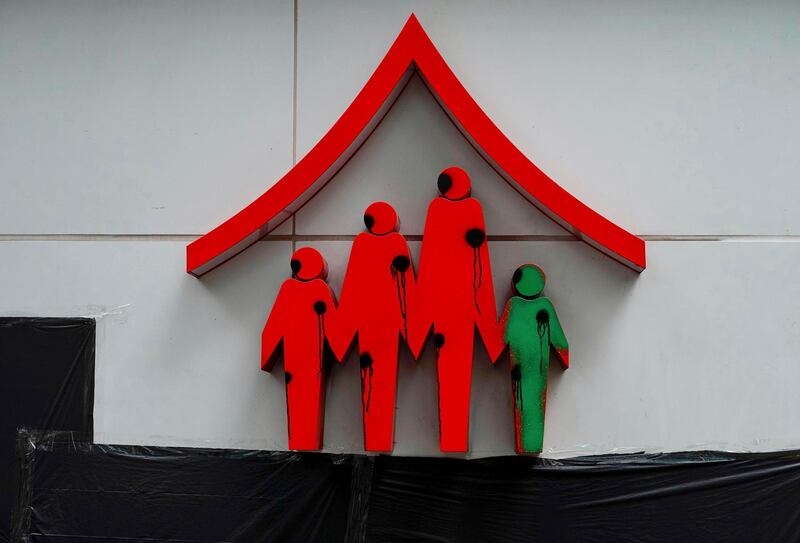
{"points": [[155, 121]]}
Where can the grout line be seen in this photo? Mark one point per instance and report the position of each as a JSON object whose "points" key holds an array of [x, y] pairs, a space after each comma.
{"points": [[294, 237], [294, 118]]}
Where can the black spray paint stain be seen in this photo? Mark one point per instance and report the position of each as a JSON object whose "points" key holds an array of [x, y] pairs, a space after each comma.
{"points": [[366, 379], [438, 343], [475, 238], [543, 327], [369, 221], [516, 384], [399, 267], [319, 309], [287, 377]]}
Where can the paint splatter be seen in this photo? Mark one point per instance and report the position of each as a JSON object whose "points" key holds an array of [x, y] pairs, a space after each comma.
{"points": [[369, 221], [287, 377], [475, 238], [398, 269], [438, 343], [542, 328], [516, 385], [319, 309], [365, 361]]}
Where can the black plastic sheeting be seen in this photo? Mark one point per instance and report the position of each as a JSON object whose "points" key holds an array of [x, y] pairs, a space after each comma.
{"points": [[82, 492], [79, 492], [69, 490], [706, 497], [46, 381]]}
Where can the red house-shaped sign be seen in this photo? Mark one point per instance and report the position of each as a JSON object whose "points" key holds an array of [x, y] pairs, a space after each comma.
{"points": [[411, 52]]}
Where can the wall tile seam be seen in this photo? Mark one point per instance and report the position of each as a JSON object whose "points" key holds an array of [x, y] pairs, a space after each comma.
{"points": [[764, 238]]}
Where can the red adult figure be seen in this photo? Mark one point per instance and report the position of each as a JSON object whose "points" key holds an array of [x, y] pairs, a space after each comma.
{"points": [[455, 294], [296, 328], [378, 286]]}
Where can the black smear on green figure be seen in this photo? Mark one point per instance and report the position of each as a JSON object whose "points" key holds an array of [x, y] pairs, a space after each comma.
{"points": [[516, 384], [542, 328]]}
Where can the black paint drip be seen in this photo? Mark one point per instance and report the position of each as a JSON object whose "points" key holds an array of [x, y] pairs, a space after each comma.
{"points": [[369, 221], [366, 378], [542, 328], [296, 265], [399, 267], [288, 378], [438, 343], [475, 238], [444, 182], [516, 384], [319, 309]]}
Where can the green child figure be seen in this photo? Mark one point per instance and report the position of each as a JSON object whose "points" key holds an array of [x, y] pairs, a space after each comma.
{"points": [[532, 331]]}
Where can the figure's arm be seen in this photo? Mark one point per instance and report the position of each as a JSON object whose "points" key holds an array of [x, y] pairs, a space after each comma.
{"points": [[490, 330], [272, 335], [420, 320], [341, 321], [558, 339]]}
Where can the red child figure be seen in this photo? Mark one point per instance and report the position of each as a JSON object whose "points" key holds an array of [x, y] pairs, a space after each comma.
{"points": [[296, 330], [455, 294], [378, 287]]}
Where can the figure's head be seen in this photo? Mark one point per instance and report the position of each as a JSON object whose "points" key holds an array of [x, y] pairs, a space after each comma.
{"points": [[528, 281], [308, 264], [380, 218], [454, 183]]}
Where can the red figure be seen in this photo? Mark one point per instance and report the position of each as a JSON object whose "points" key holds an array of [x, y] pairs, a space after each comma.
{"points": [[455, 294], [296, 329], [378, 287]]}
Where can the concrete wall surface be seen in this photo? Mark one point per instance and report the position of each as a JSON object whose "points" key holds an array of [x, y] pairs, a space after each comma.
{"points": [[127, 129]]}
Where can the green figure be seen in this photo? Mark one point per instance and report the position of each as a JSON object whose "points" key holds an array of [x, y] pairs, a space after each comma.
{"points": [[532, 331]]}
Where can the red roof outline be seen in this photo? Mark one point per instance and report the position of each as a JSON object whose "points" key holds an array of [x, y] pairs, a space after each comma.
{"points": [[411, 52]]}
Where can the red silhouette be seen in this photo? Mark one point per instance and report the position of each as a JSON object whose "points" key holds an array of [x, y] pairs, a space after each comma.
{"points": [[296, 328], [454, 294], [378, 286]]}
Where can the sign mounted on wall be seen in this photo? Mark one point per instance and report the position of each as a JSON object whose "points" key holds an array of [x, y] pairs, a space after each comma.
{"points": [[412, 51], [383, 299]]}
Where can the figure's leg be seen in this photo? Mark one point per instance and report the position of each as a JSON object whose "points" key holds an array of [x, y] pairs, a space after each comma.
{"points": [[378, 392], [529, 383], [454, 373], [305, 404]]}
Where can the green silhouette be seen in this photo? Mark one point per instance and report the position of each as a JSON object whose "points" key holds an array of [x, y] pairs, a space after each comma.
{"points": [[533, 332]]}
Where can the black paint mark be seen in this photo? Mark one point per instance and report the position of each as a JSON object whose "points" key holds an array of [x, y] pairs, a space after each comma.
{"points": [[296, 265], [369, 221], [319, 309], [398, 269], [438, 343], [288, 378], [542, 328], [475, 238], [444, 183], [516, 384], [365, 361], [517, 276]]}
